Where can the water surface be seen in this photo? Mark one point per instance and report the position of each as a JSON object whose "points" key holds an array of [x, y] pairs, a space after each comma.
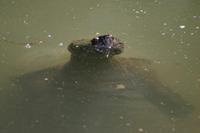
{"points": [[34, 37]]}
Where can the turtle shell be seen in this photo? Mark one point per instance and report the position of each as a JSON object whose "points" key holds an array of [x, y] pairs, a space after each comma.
{"points": [[91, 94]]}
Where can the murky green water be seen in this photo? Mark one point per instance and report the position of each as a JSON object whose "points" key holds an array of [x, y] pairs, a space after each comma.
{"points": [[36, 98]]}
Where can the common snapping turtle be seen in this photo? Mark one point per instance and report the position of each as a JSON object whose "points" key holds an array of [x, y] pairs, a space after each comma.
{"points": [[93, 92], [104, 46]]}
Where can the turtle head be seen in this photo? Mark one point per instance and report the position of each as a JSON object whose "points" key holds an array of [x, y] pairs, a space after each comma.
{"points": [[107, 45], [103, 46]]}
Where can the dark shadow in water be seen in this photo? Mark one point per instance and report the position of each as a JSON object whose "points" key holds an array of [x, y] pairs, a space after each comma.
{"points": [[87, 96]]}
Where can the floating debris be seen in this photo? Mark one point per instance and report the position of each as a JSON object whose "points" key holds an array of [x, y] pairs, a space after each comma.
{"points": [[91, 8], [165, 24], [173, 119], [37, 121], [146, 69], [137, 17], [173, 129], [121, 117], [13, 2], [162, 103], [194, 16], [61, 44], [84, 126], [182, 26], [128, 124], [25, 22], [26, 15], [49, 36], [46, 79], [185, 56], [157, 61], [62, 116], [141, 130], [120, 87], [137, 12], [107, 55], [40, 42], [59, 88], [28, 45], [163, 34], [171, 111], [188, 44], [173, 34], [192, 34]]}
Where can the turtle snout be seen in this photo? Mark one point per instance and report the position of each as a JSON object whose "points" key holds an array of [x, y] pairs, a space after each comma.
{"points": [[107, 44]]}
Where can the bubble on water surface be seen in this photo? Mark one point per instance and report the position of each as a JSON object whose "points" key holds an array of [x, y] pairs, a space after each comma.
{"points": [[28, 45]]}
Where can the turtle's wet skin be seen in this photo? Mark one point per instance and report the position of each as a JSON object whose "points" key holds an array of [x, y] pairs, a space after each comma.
{"points": [[107, 45], [104, 46]]}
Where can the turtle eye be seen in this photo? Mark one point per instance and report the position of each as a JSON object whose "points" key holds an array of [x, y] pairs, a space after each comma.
{"points": [[95, 40]]}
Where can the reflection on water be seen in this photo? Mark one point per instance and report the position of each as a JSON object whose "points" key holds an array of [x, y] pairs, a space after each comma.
{"points": [[38, 95]]}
